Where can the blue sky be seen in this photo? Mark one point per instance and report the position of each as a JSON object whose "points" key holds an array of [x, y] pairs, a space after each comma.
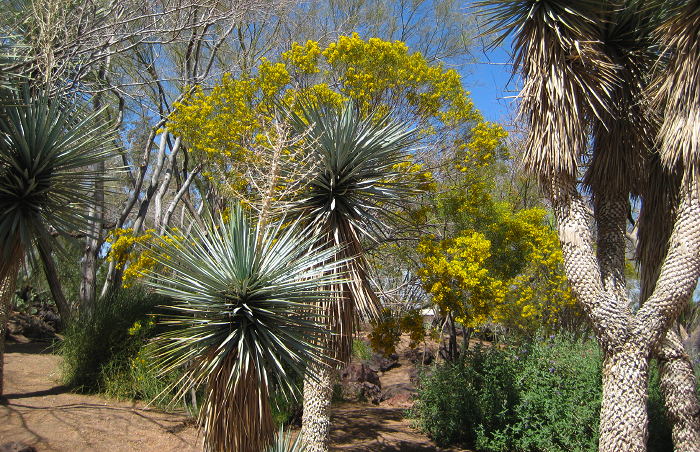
{"points": [[490, 84]]}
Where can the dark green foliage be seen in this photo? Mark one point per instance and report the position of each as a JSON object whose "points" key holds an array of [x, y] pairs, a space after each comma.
{"points": [[456, 400], [106, 342], [541, 397]]}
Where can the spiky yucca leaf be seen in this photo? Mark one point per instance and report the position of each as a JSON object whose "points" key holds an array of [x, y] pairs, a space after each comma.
{"points": [[244, 298], [46, 149], [678, 89], [284, 443], [566, 76], [350, 194]]}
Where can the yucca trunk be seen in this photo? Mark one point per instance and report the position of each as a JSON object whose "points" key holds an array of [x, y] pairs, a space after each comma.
{"points": [[316, 419], [8, 282], [247, 402], [677, 379], [623, 413], [677, 382], [629, 339]]}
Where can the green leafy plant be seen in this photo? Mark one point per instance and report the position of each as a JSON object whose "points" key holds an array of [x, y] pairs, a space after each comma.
{"points": [[543, 396], [47, 147], [99, 345]]}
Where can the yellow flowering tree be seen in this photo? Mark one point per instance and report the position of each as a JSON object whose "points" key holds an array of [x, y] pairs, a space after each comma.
{"points": [[228, 127]]}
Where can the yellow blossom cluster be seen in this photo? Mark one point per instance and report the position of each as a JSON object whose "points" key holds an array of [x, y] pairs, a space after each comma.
{"points": [[303, 58], [455, 273], [132, 252], [483, 147], [461, 276]]}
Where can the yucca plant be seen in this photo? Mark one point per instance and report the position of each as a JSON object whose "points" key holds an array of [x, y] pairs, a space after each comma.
{"points": [[350, 196], [586, 68], [245, 317], [285, 442], [46, 149]]}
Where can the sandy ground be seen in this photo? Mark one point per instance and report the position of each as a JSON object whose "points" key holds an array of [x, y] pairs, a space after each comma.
{"points": [[40, 412]]}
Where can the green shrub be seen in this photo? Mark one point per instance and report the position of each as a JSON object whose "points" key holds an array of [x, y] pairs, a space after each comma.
{"points": [[558, 402], [543, 397], [102, 350], [453, 396], [361, 350]]}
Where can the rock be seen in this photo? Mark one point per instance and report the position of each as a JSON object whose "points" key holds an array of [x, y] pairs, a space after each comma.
{"points": [[365, 391], [29, 326], [360, 373], [360, 383], [15, 446], [381, 363], [398, 389], [413, 376], [399, 396], [419, 357]]}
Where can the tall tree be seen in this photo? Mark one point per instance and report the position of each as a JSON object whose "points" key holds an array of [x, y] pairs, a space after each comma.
{"points": [[584, 76], [354, 182]]}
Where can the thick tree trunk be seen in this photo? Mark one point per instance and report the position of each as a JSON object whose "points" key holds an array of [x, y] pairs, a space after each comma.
{"points": [[64, 308], [628, 339], [677, 379], [678, 388], [623, 414], [316, 420], [8, 281]]}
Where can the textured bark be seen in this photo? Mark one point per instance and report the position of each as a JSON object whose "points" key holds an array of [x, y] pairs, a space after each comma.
{"points": [[8, 281], [679, 272], [574, 221], [677, 381], [611, 220], [623, 413], [316, 420], [629, 339]]}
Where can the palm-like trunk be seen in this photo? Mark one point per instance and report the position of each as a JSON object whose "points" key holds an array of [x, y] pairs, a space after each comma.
{"points": [[316, 422], [51, 272], [677, 379], [623, 413], [678, 389], [8, 281], [629, 339]]}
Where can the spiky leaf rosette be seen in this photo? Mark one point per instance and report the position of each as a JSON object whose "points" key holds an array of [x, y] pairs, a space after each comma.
{"points": [[566, 76], [350, 195], [245, 301], [46, 149], [679, 89]]}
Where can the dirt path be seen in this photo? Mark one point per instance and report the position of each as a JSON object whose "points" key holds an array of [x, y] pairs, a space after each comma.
{"points": [[42, 413]]}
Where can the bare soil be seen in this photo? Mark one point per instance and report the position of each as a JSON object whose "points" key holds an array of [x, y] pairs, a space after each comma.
{"points": [[38, 411]]}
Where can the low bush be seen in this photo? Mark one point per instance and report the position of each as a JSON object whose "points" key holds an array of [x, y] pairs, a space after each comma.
{"points": [[543, 397], [105, 350]]}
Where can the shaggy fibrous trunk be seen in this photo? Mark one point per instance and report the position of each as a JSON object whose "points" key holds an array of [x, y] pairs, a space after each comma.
{"points": [[627, 339], [8, 281], [51, 272], [236, 417], [316, 421]]}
